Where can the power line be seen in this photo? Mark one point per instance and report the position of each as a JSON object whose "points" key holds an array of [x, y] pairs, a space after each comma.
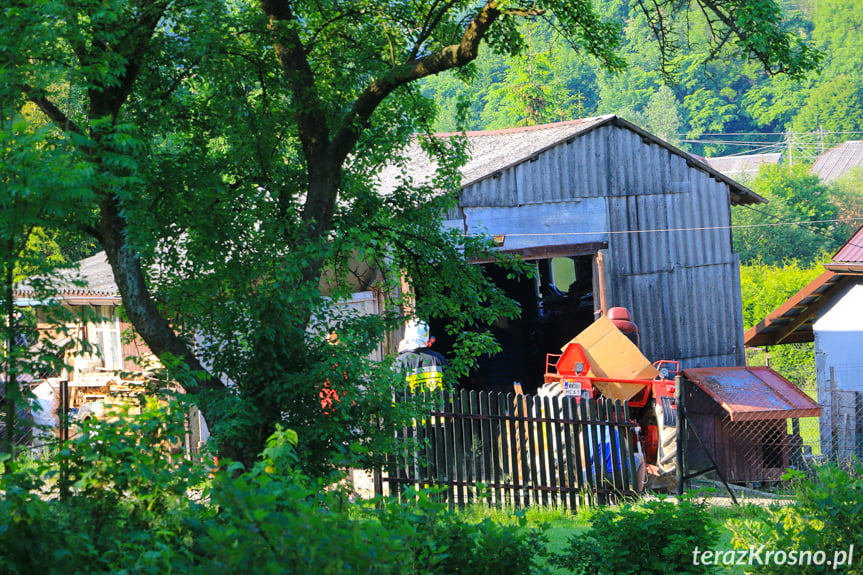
{"points": [[815, 231], [666, 230]]}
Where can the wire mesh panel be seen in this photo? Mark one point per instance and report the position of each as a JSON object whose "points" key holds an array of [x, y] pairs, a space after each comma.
{"points": [[758, 446], [517, 450]]}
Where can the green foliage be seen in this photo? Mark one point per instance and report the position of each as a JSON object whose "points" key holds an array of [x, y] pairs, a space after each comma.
{"points": [[227, 156], [652, 537], [835, 106], [442, 541], [113, 498], [764, 288], [825, 516], [847, 194], [269, 519], [714, 90], [778, 231]]}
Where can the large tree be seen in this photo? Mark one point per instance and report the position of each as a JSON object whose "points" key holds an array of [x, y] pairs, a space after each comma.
{"points": [[233, 147]]}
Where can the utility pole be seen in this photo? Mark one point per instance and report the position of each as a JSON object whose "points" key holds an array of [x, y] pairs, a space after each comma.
{"points": [[790, 139]]}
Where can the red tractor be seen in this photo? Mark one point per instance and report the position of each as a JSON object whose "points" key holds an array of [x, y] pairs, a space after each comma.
{"points": [[650, 392]]}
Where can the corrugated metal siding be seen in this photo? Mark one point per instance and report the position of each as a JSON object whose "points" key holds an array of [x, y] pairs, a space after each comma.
{"points": [[681, 284], [691, 314]]}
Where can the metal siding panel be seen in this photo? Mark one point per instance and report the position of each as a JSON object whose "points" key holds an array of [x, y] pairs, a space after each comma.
{"points": [[721, 198], [542, 224], [626, 158], [552, 183], [693, 212], [621, 157], [680, 314], [530, 182], [619, 242], [647, 256], [659, 167], [580, 178], [658, 241], [647, 173], [598, 162], [565, 188], [632, 239], [522, 180]]}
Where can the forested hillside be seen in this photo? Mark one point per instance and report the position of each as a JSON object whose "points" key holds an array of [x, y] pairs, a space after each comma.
{"points": [[711, 107], [725, 106]]}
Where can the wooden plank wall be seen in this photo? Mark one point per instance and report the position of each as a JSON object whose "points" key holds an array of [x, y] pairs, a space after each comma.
{"points": [[514, 451]]}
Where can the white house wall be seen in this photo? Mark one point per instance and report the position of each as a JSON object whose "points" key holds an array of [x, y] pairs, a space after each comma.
{"points": [[839, 369], [682, 287]]}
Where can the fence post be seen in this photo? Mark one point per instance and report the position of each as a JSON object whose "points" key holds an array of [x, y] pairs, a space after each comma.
{"points": [[858, 424], [834, 415]]}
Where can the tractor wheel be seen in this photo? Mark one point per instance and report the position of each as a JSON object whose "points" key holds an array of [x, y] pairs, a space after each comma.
{"points": [[666, 422]]}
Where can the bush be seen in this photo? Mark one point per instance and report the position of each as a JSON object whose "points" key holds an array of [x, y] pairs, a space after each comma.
{"points": [[113, 498], [126, 509], [273, 520], [441, 541], [653, 537], [825, 517]]}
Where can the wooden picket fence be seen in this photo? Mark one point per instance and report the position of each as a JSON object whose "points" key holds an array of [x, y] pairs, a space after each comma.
{"points": [[517, 451]]}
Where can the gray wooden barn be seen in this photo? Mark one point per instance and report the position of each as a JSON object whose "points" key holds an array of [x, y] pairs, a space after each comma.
{"points": [[611, 215]]}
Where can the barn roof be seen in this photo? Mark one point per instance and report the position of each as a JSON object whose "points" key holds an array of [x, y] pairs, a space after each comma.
{"points": [[90, 282], [792, 321], [837, 161], [494, 151]]}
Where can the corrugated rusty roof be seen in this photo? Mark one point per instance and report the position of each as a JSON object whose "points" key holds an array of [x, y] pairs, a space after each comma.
{"points": [[753, 393], [849, 255], [837, 161]]}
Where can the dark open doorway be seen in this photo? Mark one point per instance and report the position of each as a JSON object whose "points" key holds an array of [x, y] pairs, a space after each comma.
{"points": [[556, 304]]}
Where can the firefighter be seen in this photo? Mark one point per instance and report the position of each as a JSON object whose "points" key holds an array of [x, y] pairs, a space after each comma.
{"points": [[422, 366]]}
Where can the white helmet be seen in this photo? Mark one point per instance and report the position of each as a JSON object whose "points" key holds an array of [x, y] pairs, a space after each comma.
{"points": [[416, 336]]}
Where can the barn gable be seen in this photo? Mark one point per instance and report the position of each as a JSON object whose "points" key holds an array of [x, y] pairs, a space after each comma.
{"points": [[647, 221]]}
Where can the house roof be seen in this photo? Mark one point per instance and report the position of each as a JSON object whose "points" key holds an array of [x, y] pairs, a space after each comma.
{"points": [[747, 165], [91, 282], [837, 161], [753, 393], [849, 258], [494, 151], [792, 321]]}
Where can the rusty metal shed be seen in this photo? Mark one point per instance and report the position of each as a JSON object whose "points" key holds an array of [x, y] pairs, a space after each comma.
{"points": [[742, 418], [646, 225], [756, 393]]}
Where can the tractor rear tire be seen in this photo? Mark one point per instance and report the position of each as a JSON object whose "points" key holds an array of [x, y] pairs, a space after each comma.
{"points": [[666, 422]]}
